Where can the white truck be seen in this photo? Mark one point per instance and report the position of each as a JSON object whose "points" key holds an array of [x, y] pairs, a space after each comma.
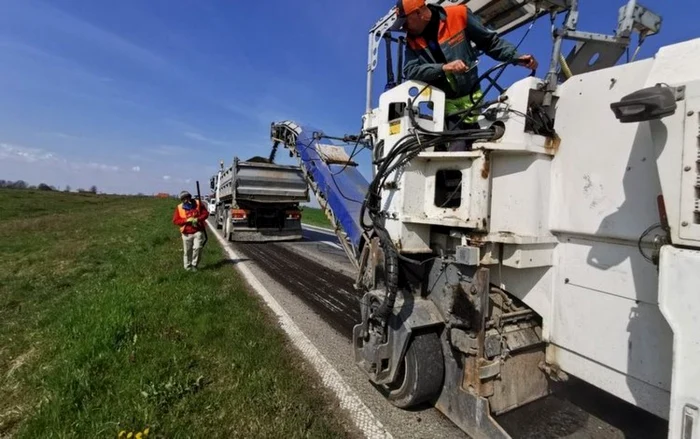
{"points": [[257, 200], [565, 241]]}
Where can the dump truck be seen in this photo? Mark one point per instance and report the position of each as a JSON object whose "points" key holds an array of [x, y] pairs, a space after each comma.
{"points": [[258, 200], [564, 241]]}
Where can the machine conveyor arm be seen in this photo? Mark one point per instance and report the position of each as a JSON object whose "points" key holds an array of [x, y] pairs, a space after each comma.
{"points": [[334, 179]]}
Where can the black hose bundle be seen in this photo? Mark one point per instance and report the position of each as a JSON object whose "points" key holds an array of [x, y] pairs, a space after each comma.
{"points": [[407, 148]]}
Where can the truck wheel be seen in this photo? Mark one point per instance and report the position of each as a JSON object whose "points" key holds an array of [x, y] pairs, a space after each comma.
{"points": [[227, 226], [421, 373]]}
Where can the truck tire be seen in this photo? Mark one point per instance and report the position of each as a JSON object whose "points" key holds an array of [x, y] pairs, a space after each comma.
{"points": [[227, 227], [421, 374]]}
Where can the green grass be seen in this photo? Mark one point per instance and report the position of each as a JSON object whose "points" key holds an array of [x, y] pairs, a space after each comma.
{"points": [[315, 217], [102, 331]]}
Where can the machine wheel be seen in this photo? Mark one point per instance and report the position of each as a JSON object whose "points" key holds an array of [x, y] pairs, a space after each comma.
{"points": [[421, 374]]}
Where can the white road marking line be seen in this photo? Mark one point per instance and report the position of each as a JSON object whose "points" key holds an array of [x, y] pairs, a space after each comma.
{"points": [[318, 229], [359, 412], [332, 244], [323, 231]]}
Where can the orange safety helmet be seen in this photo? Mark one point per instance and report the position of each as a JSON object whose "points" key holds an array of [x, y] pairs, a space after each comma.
{"points": [[406, 7]]}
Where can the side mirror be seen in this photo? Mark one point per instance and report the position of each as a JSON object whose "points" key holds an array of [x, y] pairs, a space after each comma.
{"points": [[646, 104]]}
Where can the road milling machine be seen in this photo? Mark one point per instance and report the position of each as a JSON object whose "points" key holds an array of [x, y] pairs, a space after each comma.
{"points": [[565, 241]]}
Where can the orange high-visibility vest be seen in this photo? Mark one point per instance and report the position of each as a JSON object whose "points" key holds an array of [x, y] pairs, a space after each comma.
{"points": [[450, 31], [183, 213]]}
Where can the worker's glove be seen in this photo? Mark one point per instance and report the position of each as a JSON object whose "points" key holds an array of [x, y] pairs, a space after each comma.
{"points": [[527, 61], [192, 220]]}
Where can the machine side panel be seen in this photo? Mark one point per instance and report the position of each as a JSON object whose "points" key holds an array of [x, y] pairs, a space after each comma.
{"points": [[606, 325], [625, 387], [520, 194], [609, 313], [604, 177]]}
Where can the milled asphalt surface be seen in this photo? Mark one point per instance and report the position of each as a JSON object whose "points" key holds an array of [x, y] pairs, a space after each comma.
{"points": [[312, 280], [329, 332]]}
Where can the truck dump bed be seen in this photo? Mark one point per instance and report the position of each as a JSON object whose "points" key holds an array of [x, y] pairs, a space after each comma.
{"points": [[262, 182]]}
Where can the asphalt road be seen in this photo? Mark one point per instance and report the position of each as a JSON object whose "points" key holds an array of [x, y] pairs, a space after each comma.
{"points": [[313, 281]]}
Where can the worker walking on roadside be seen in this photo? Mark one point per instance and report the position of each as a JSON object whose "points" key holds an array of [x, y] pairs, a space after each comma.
{"points": [[190, 216], [438, 52]]}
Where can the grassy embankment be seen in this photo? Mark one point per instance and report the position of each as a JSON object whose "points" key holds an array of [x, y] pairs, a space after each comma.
{"points": [[101, 331], [315, 217]]}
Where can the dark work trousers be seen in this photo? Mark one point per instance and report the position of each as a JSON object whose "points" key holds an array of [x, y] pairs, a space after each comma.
{"points": [[455, 124]]}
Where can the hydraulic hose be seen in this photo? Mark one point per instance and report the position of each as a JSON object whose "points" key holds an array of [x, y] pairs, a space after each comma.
{"points": [[391, 269], [565, 67], [403, 151]]}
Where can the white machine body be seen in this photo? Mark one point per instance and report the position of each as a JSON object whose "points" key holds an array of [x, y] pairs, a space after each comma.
{"points": [[559, 223]]}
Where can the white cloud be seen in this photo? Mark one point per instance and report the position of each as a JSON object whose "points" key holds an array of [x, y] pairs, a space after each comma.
{"points": [[62, 135], [42, 165], [38, 165], [97, 166], [39, 155], [180, 125], [171, 150], [200, 138], [25, 154], [263, 111], [59, 20]]}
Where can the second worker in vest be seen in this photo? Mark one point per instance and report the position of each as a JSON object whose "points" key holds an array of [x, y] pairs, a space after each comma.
{"points": [[438, 52], [190, 216]]}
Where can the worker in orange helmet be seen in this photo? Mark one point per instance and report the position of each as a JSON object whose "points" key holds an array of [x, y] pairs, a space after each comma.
{"points": [[439, 51], [190, 216]]}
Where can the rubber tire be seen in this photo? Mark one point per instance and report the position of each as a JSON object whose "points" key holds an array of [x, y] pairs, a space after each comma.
{"points": [[225, 232], [423, 372]]}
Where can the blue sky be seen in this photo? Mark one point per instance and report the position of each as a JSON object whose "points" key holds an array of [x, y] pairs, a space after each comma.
{"points": [[147, 96]]}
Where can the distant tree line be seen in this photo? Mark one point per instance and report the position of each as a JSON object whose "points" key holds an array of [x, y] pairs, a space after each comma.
{"points": [[21, 184]]}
